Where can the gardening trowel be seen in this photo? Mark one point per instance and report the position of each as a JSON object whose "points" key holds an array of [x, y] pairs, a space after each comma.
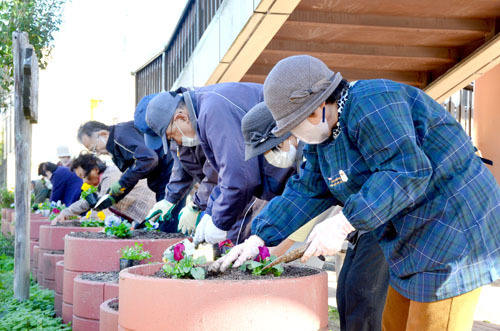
{"points": [[104, 197], [289, 257]]}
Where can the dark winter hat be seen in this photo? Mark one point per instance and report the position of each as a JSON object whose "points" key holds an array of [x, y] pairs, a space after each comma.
{"points": [[295, 87], [159, 113], [257, 126], [151, 139]]}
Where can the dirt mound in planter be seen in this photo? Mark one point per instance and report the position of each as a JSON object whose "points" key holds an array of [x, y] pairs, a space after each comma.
{"points": [[69, 223], [55, 252], [114, 305], [291, 271], [108, 277], [136, 234]]}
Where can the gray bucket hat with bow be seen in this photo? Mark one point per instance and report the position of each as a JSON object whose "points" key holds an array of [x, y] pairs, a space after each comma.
{"points": [[295, 87], [257, 126]]}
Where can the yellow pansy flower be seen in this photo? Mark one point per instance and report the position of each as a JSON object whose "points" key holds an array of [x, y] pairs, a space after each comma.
{"points": [[88, 214], [86, 186], [101, 215]]}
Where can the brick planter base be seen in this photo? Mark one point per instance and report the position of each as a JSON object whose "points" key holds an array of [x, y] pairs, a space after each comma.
{"points": [[48, 269], [35, 263], [101, 255], [108, 318], [59, 288], [87, 298]]}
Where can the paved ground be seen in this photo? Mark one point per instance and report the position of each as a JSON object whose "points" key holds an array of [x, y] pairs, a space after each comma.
{"points": [[486, 318]]}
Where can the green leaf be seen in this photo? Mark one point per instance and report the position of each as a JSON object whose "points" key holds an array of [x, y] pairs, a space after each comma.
{"points": [[198, 273]]}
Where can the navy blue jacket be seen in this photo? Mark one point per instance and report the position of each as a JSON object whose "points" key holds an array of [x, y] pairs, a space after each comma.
{"points": [[137, 161], [66, 186], [219, 109]]}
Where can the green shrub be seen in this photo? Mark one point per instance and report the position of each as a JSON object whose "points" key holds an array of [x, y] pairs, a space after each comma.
{"points": [[6, 198]]}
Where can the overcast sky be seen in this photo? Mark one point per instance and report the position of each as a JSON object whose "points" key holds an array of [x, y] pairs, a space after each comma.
{"points": [[98, 46]]}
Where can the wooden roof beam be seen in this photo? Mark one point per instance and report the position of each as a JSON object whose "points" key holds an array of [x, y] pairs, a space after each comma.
{"points": [[466, 71], [466, 25], [439, 54]]}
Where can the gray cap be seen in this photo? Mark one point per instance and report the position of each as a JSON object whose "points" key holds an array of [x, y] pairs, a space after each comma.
{"points": [[295, 87], [257, 126], [159, 113]]}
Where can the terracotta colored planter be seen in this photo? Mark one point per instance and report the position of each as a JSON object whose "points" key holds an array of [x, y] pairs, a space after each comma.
{"points": [[52, 237], [35, 225], [108, 318], [101, 255], [5, 227], [35, 216], [67, 312], [87, 298], [35, 263], [59, 277], [58, 304], [269, 304], [48, 269], [12, 228], [10, 215]]}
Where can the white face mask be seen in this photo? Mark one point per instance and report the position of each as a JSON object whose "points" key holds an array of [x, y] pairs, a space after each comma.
{"points": [[187, 141], [311, 133], [281, 159]]}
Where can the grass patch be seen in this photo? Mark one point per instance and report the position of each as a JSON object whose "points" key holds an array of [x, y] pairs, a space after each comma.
{"points": [[333, 313], [36, 313]]}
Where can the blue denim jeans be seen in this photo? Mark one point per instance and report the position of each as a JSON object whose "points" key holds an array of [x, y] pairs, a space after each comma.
{"points": [[362, 286]]}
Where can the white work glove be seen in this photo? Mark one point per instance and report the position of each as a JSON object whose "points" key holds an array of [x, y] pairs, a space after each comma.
{"points": [[248, 250], [162, 207], [327, 237], [206, 231], [188, 217]]}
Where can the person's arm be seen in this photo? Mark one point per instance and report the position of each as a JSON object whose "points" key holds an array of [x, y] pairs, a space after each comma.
{"points": [[381, 126], [145, 159], [220, 133], [58, 187], [180, 180], [206, 186], [305, 196], [76, 208]]}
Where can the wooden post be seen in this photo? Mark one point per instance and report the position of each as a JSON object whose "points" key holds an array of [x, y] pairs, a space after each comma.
{"points": [[25, 110]]}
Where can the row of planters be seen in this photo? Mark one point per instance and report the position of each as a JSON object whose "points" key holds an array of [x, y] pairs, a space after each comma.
{"points": [[177, 294]]}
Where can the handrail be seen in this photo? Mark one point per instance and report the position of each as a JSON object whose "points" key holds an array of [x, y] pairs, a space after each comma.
{"points": [[160, 72]]}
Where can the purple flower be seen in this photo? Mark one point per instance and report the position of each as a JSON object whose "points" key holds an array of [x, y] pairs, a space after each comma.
{"points": [[178, 249], [56, 211], [226, 243], [263, 254]]}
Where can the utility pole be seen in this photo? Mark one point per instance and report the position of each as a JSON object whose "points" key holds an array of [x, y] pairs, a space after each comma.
{"points": [[25, 113]]}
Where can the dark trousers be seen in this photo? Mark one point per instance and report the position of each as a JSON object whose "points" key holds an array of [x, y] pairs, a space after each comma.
{"points": [[362, 286], [171, 225]]}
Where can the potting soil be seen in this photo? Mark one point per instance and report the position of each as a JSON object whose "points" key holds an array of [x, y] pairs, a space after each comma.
{"points": [[107, 277], [113, 305], [290, 271], [69, 223], [136, 234]]}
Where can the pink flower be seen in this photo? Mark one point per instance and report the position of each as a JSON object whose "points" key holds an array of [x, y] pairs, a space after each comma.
{"points": [[56, 211], [178, 249], [226, 243], [263, 254]]}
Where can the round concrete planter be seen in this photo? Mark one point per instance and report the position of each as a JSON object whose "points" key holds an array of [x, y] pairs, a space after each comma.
{"points": [[58, 299], [87, 298], [269, 304], [52, 237], [35, 225], [48, 269], [5, 227], [108, 318], [33, 243], [100, 255], [35, 263]]}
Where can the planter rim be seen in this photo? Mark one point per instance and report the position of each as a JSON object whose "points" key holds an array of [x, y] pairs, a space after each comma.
{"points": [[81, 280], [105, 305], [119, 240], [125, 273]]}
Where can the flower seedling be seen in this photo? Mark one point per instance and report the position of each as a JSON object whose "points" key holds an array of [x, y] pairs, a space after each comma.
{"points": [[90, 221], [55, 209], [225, 246], [263, 259], [179, 261], [117, 227], [87, 189], [151, 225], [135, 252]]}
